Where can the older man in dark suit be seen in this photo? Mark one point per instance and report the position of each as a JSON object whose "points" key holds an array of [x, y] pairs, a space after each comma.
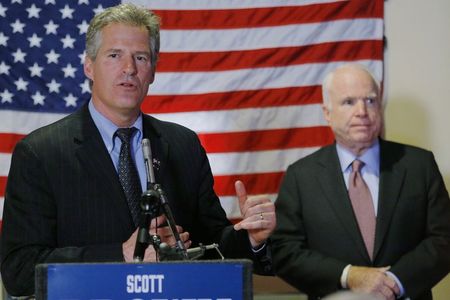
{"points": [[364, 214], [72, 188]]}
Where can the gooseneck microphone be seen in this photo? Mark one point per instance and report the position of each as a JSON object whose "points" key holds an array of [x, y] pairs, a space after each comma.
{"points": [[151, 201], [147, 152]]}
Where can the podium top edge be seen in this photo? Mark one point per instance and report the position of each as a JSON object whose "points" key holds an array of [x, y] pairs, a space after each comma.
{"points": [[246, 262]]}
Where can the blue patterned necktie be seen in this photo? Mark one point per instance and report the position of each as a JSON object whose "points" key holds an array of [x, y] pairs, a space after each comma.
{"points": [[128, 175]]}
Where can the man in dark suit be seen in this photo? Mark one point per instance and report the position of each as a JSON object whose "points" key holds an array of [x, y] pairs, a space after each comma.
{"points": [[398, 245], [66, 202]]}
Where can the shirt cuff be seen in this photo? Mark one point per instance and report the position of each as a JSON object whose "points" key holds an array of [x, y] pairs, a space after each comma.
{"points": [[399, 284], [344, 276], [259, 248]]}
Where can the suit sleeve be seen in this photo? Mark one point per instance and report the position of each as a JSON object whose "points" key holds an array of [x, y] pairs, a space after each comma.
{"points": [[29, 232], [429, 261], [309, 271]]}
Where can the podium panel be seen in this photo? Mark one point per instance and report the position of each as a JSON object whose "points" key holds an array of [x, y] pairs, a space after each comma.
{"points": [[176, 280]]}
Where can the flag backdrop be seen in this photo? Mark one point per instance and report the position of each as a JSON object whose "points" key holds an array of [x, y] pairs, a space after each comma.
{"points": [[244, 74]]}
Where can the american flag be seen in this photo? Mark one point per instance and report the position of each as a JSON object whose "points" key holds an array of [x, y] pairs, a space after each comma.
{"points": [[244, 74]]}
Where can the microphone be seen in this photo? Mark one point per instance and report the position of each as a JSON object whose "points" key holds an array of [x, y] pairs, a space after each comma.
{"points": [[156, 188], [147, 152], [149, 205]]}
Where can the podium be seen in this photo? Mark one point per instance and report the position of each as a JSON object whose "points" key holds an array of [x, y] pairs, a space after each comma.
{"points": [[175, 280]]}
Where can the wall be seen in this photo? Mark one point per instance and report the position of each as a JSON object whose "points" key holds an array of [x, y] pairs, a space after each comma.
{"points": [[418, 82]]}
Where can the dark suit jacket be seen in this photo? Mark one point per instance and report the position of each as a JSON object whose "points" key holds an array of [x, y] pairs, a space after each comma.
{"points": [[64, 202], [317, 234]]}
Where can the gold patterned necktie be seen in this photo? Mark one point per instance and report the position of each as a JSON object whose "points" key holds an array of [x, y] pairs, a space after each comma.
{"points": [[362, 203]]}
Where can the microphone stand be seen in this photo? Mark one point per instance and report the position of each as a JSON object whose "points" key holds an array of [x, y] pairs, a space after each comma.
{"points": [[150, 210], [152, 200]]}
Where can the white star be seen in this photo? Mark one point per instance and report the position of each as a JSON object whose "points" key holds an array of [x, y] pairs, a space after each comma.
{"points": [[83, 27], [21, 84], [38, 98], [35, 41], [85, 87], [68, 42], [49, 2], [66, 12], [53, 86], [69, 71], [51, 27], [83, 2], [6, 96], [4, 68], [17, 26], [16, 1], [19, 56], [33, 12], [82, 56], [99, 9], [36, 70], [3, 39], [71, 100], [52, 57], [3, 10]]}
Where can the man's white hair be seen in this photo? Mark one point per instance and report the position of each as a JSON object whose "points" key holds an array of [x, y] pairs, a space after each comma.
{"points": [[328, 80]]}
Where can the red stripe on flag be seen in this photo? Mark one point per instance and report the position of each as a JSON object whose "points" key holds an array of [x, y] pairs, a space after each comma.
{"points": [[9, 141], [266, 139], [233, 100], [245, 59], [261, 183], [3, 185], [268, 16]]}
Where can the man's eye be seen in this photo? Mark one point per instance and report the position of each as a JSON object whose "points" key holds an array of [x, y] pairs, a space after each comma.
{"points": [[142, 58], [348, 102], [370, 100], [113, 55]]}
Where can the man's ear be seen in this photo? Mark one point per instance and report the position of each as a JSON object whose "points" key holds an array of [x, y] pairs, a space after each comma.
{"points": [[326, 113], [88, 68], [153, 75]]}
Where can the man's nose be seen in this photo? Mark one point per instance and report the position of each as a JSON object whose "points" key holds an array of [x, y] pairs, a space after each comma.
{"points": [[361, 107], [129, 66]]}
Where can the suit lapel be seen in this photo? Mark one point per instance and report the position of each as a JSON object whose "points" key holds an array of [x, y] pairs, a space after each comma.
{"points": [[391, 181], [159, 146], [333, 186], [94, 157]]}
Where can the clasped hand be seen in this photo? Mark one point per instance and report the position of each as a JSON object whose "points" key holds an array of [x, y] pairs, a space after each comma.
{"points": [[163, 232], [375, 281]]}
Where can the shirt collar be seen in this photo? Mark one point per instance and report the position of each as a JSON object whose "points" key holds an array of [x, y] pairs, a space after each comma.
{"points": [[371, 158], [108, 128]]}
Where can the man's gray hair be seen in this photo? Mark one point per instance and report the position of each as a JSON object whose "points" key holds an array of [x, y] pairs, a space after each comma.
{"points": [[328, 80], [127, 14]]}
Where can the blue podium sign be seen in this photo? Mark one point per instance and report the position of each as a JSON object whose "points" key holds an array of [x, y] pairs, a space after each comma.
{"points": [[194, 280]]}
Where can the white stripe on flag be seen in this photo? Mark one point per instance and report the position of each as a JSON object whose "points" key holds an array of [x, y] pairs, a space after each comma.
{"points": [[221, 4], [279, 117], [28, 121], [177, 83], [207, 40], [5, 163], [256, 161]]}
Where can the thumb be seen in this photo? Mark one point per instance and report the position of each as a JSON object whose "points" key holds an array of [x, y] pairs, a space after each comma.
{"points": [[241, 194]]}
